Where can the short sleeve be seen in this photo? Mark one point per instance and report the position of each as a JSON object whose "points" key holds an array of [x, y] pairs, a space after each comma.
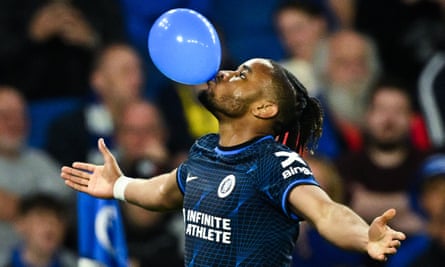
{"points": [[181, 176], [279, 173]]}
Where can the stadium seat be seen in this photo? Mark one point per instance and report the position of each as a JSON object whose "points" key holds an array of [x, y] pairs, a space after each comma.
{"points": [[42, 112]]}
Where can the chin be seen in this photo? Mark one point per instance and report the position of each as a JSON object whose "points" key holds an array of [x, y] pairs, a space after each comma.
{"points": [[204, 97]]}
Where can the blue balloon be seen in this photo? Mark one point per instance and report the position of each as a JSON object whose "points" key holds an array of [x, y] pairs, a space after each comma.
{"points": [[185, 46]]}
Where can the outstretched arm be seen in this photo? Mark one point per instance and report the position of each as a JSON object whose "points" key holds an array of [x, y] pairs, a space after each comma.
{"points": [[343, 227], [159, 193]]}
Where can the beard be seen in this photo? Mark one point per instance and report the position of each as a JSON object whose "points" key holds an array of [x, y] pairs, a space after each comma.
{"points": [[387, 144], [348, 101], [225, 107], [205, 99]]}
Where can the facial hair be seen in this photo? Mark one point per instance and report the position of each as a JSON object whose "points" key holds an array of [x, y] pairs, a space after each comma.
{"points": [[386, 145], [227, 106], [348, 102], [205, 99]]}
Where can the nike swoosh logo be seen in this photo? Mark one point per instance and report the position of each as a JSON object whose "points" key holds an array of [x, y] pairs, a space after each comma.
{"points": [[191, 178]]}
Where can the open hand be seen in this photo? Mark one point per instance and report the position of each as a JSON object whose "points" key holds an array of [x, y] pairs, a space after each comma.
{"points": [[383, 240], [76, 29], [96, 180]]}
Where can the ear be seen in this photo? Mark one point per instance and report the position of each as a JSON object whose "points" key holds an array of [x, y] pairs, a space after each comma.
{"points": [[97, 81], [265, 109]]}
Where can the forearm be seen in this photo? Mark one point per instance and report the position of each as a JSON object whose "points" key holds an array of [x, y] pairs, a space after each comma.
{"points": [[159, 193], [334, 221], [343, 227]]}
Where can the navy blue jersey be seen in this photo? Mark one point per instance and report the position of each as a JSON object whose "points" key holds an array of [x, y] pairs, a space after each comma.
{"points": [[235, 203]]}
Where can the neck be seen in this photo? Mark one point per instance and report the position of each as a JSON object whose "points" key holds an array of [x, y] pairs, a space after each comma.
{"points": [[234, 134]]}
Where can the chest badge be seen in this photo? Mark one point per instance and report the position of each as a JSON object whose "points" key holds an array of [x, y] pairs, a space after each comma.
{"points": [[226, 186]]}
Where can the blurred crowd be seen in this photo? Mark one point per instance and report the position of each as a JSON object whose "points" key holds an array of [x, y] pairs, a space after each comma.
{"points": [[72, 71]]}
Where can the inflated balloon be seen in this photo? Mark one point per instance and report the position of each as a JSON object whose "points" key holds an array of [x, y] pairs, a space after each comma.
{"points": [[185, 46]]}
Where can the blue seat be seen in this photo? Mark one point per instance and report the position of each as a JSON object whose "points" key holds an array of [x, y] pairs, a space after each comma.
{"points": [[41, 114]]}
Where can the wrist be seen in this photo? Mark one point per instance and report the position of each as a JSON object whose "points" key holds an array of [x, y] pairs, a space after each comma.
{"points": [[119, 187]]}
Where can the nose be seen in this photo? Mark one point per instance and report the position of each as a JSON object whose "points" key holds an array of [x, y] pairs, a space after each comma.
{"points": [[220, 76], [223, 74]]}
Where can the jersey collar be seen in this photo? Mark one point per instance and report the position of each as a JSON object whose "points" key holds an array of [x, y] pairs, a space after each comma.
{"points": [[231, 150]]}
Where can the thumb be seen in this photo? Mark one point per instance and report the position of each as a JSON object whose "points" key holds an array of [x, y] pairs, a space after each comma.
{"points": [[387, 216], [378, 226], [104, 150]]}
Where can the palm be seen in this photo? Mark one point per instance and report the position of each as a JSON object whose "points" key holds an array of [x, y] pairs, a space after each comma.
{"points": [[382, 239], [96, 180], [98, 185]]}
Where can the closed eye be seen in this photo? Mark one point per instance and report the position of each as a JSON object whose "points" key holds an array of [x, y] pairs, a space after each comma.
{"points": [[242, 72]]}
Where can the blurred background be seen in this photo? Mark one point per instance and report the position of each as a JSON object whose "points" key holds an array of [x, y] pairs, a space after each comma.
{"points": [[75, 70]]}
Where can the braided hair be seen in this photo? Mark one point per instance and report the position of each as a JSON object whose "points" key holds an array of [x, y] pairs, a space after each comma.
{"points": [[299, 122]]}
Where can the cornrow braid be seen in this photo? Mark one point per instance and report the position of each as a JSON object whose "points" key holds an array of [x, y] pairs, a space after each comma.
{"points": [[299, 124]]}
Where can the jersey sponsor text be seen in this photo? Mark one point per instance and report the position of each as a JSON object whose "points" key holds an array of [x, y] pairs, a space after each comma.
{"points": [[295, 170], [208, 227]]}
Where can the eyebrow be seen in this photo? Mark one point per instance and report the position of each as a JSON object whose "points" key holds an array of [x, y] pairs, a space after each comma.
{"points": [[245, 67]]}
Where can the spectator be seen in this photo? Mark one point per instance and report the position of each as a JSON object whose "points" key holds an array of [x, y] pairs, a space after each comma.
{"points": [[141, 139], [346, 66], [310, 242], [42, 223], [48, 46], [381, 174], [427, 248], [115, 79], [432, 200], [22, 170], [301, 25]]}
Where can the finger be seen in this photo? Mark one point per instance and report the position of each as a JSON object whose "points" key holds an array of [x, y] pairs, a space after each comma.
{"points": [[84, 166], [387, 216], [399, 236], [381, 257], [75, 180], [76, 186], [395, 243], [65, 169], [104, 150], [70, 173], [390, 251], [79, 180], [64, 176], [75, 177], [66, 172]]}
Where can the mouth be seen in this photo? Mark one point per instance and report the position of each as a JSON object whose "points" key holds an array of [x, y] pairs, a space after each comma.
{"points": [[211, 84]]}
